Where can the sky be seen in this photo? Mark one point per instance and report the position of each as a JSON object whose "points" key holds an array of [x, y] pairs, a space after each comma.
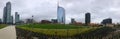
{"points": [[47, 9]]}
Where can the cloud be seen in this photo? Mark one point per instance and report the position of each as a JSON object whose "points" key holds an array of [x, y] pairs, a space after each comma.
{"points": [[99, 9], [47, 9]]}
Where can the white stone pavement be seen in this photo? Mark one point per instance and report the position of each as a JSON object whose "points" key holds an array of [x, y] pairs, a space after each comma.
{"points": [[8, 32]]}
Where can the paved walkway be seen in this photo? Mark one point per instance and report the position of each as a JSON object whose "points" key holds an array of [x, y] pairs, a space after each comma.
{"points": [[8, 32]]}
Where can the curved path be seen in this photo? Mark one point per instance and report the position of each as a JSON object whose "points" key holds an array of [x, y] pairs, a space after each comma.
{"points": [[8, 32]]}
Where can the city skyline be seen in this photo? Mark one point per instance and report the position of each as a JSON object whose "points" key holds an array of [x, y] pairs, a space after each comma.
{"points": [[74, 9]]}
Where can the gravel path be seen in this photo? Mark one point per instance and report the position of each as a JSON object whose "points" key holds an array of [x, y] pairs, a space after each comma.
{"points": [[8, 32]]}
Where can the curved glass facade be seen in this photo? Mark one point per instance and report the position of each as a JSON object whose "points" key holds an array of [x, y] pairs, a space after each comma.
{"points": [[61, 15]]}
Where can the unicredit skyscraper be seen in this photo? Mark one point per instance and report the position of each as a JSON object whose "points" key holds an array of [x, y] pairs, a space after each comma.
{"points": [[61, 15]]}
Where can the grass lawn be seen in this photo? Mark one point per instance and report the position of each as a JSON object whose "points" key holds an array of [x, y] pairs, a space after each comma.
{"points": [[57, 29], [53, 26], [2, 25]]}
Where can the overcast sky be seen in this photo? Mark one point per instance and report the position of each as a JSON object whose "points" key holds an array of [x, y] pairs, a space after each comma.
{"points": [[47, 9]]}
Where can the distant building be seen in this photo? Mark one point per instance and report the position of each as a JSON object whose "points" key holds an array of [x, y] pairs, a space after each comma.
{"points": [[54, 20], [45, 21], [61, 15], [7, 18], [107, 21], [73, 21], [17, 18], [29, 20], [0, 21], [21, 22], [79, 23], [87, 18]]}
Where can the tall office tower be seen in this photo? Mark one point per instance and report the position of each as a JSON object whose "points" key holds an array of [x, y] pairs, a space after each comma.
{"points": [[61, 15], [8, 7], [17, 17], [107, 21], [73, 21], [7, 13], [87, 18]]}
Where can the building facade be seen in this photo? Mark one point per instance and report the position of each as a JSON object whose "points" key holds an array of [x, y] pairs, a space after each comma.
{"points": [[11, 19], [8, 9], [87, 18], [0, 21], [5, 15], [54, 21], [73, 21], [61, 15], [107, 21]]}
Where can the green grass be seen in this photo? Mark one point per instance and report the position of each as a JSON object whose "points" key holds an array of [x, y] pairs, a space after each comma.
{"points": [[52, 26], [2, 25], [57, 29]]}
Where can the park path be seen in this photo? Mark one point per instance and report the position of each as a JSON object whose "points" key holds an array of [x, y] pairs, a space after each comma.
{"points": [[8, 32]]}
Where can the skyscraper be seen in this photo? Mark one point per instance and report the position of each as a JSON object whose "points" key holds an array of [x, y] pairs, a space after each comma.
{"points": [[8, 7], [7, 18], [61, 15], [17, 17], [5, 15], [87, 18]]}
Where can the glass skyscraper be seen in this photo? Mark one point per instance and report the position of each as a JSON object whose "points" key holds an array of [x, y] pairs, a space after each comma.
{"points": [[8, 7], [17, 17], [61, 15], [5, 15]]}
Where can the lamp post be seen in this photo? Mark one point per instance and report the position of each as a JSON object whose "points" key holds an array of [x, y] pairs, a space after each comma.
{"points": [[32, 18]]}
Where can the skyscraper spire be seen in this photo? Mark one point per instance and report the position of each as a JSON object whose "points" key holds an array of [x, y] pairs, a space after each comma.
{"points": [[60, 14], [58, 3]]}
